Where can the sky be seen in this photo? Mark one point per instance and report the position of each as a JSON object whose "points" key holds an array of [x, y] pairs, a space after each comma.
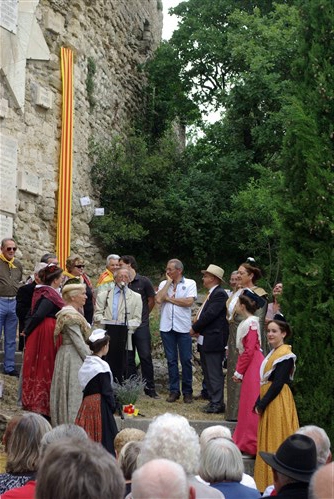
{"points": [[170, 22]]}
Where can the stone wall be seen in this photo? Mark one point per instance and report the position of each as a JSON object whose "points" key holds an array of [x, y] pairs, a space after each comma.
{"points": [[115, 35]]}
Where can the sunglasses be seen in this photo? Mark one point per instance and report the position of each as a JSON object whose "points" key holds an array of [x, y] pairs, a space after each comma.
{"points": [[79, 266], [11, 249]]}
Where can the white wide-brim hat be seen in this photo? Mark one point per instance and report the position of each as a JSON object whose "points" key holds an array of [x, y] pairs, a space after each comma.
{"points": [[214, 270]]}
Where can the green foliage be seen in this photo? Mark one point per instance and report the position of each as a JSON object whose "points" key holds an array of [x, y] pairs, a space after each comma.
{"points": [[255, 221], [308, 209], [132, 181], [260, 180], [91, 70], [166, 95]]}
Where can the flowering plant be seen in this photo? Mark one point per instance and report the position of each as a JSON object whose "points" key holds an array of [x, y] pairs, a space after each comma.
{"points": [[128, 392]]}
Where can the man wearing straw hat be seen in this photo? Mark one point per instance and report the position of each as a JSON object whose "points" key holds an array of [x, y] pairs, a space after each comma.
{"points": [[211, 330]]}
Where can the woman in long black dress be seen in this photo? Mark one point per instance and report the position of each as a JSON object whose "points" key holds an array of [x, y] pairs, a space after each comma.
{"points": [[98, 406]]}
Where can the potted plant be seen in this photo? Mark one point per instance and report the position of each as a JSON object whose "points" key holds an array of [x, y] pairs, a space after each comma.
{"points": [[128, 392]]}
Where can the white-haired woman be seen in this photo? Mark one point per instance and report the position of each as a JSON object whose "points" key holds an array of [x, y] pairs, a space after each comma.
{"points": [[221, 465], [66, 394]]}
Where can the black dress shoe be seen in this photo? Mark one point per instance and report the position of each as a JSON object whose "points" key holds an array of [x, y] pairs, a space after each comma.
{"points": [[188, 398], [14, 372], [173, 397], [214, 409], [201, 396], [152, 394]]}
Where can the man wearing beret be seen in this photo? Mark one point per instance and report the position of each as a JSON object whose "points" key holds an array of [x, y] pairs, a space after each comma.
{"points": [[211, 330]]}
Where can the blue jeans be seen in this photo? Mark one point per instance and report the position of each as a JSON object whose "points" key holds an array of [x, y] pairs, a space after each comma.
{"points": [[8, 324], [175, 345]]}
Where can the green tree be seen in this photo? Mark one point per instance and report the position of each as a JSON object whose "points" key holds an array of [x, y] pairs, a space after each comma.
{"points": [[307, 211], [237, 57], [166, 96], [255, 222], [131, 180]]}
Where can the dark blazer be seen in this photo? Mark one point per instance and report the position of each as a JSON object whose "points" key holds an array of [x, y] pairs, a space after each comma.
{"points": [[23, 302], [212, 322], [297, 490]]}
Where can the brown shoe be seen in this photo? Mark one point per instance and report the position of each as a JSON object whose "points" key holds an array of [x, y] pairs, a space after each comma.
{"points": [[188, 398], [173, 397]]}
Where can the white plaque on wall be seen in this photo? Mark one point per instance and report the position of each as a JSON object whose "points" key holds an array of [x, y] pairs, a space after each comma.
{"points": [[8, 173], [6, 226], [43, 97], [30, 183], [99, 212], [8, 14], [85, 201]]}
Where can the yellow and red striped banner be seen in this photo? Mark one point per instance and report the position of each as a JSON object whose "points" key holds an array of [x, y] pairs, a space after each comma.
{"points": [[66, 160]]}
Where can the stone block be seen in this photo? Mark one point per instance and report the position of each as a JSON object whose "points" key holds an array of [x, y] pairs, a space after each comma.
{"points": [[54, 22], [30, 183], [43, 97]]}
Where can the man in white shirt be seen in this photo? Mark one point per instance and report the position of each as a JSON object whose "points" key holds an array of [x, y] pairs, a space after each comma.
{"points": [[176, 296]]}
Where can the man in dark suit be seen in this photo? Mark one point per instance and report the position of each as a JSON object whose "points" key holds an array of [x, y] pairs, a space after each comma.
{"points": [[211, 330]]}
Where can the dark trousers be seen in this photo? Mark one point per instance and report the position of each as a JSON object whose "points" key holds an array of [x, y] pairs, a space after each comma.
{"points": [[213, 375], [116, 356], [141, 342]]}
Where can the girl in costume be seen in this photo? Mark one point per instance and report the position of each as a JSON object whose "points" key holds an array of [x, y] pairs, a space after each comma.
{"points": [[98, 406], [275, 405], [248, 275], [247, 371]]}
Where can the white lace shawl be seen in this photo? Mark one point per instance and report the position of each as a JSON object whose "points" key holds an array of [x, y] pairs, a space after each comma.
{"points": [[251, 322], [93, 365]]}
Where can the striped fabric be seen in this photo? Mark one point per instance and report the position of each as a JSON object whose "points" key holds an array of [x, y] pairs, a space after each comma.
{"points": [[66, 160]]}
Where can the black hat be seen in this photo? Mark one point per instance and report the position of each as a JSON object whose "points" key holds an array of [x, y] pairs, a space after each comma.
{"points": [[296, 458], [260, 302]]}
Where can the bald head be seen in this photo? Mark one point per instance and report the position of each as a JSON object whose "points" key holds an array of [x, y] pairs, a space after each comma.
{"points": [[160, 479], [322, 483]]}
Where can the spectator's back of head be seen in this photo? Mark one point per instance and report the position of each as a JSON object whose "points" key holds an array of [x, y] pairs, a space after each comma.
{"points": [[24, 443], [170, 436], [127, 459], [161, 479], [321, 440], [221, 461], [322, 483], [212, 432], [61, 432], [127, 435], [73, 469]]}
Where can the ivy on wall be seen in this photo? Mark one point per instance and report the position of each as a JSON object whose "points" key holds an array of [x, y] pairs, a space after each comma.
{"points": [[91, 70]]}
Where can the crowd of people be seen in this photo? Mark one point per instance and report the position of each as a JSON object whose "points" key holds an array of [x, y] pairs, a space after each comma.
{"points": [[78, 341], [169, 461]]}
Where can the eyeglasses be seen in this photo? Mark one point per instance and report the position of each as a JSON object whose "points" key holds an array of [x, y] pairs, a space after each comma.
{"points": [[11, 249], [79, 266]]}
